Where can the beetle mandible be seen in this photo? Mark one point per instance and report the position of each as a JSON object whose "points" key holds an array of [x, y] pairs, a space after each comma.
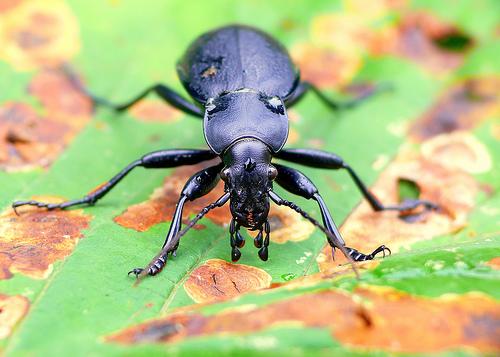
{"points": [[242, 81]]}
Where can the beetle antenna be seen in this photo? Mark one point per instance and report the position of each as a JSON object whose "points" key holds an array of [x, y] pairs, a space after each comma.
{"points": [[331, 238], [174, 242]]}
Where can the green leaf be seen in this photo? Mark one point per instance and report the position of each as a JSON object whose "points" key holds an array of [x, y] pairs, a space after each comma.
{"points": [[123, 47]]}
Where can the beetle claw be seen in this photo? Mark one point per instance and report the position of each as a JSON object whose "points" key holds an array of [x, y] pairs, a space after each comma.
{"points": [[136, 272]]}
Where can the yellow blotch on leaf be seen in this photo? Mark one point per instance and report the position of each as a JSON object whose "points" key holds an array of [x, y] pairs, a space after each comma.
{"points": [[38, 33]]}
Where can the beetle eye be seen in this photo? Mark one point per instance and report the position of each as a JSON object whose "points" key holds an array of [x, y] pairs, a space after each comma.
{"points": [[272, 173], [224, 174]]}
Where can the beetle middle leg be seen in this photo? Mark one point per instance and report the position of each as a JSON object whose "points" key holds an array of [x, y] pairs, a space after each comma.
{"points": [[164, 92], [305, 87], [156, 159], [297, 183], [326, 160]]}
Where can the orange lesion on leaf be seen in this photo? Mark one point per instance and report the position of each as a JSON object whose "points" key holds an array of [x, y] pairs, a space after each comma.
{"points": [[429, 41], [217, 280], [458, 151], [31, 242], [61, 97], [494, 263], [161, 205], [155, 111], [26, 139], [339, 40], [462, 107], [38, 34], [288, 226], [29, 139], [450, 186], [324, 66], [377, 318], [401, 322], [12, 310]]}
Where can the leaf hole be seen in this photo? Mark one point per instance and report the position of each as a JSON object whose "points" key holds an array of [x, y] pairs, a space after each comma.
{"points": [[407, 190], [453, 41]]}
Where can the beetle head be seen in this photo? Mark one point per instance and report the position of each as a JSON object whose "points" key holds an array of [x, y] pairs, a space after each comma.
{"points": [[248, 177]]}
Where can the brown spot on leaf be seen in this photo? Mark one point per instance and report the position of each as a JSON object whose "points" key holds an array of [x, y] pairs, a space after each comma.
{"points": [[459, 150], [36, 34], [28, 139], [12, 310], [161, 205], [452, 188], [288, 226], [418, 36], [376, 318], [462, 107], [494, 263], [435, 325], [61, 98], [429, 41], [31, 242], [323, 66], [217, 279], [155, 111]]}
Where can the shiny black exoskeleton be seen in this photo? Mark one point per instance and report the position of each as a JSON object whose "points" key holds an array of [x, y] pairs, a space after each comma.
{"points": [[242, 81]]}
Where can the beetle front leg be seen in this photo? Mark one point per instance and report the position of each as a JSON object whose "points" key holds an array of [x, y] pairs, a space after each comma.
{"points": [[327, 160], [198, 185], [297, 183]]}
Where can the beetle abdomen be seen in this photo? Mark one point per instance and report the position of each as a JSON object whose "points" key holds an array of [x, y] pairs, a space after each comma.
{"points": [[236, 57]]}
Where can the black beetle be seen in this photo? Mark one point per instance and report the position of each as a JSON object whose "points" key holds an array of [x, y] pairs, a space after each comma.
{"points": [[242, 80]]}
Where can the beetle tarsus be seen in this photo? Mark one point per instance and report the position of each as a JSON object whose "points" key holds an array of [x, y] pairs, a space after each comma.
{"points": [[48, 206], [360, 257], [412, 204]]}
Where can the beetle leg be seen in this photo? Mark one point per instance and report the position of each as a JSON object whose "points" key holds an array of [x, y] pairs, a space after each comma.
{"points": [[326, 160], [156, 159], [198, 185], [167, 94], [304, 87], [297, 183]]}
